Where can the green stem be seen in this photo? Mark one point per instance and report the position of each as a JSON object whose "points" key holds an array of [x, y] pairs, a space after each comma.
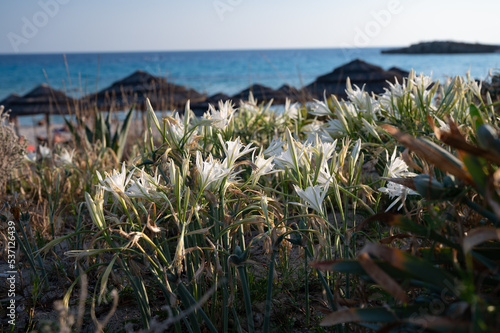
{"points": [[246, 297]]}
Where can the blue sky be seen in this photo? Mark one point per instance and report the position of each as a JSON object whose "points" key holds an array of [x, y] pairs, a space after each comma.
{"points": [[31, 26]]}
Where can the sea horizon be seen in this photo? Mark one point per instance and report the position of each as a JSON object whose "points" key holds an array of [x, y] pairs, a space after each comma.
{"points": [[217, 71]]}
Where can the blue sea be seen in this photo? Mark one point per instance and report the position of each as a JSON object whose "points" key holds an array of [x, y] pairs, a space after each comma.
{"points": [[211, 72]]}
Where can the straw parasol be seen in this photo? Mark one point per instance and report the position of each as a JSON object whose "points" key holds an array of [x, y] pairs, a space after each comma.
{"points": [[360, 73], [41, 100], [135, 88]]}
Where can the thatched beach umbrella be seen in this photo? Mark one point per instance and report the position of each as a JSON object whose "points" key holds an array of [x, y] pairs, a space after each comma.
{"points": [[261, 93], [9, 99], [41, 100], [360, 73], [135, 88]]}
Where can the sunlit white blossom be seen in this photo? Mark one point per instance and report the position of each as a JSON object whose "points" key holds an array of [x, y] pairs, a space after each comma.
{"points": [[116, 182], [145, 186], [289, 159], [397, 168], [324, 175], [222, 117], [176, 133], [234, 150], [263, 166], [211, 173], [321, 108], [65, 157], [422, 82], [291, 110]]}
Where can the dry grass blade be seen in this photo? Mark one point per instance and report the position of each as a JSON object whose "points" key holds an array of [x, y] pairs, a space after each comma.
{"points": [[478, 236], [407, 182], [390, 239], [382, 278], [342, 316], [324, 265], [439, 323], [409, 161], [431, 153], [456, 140]]}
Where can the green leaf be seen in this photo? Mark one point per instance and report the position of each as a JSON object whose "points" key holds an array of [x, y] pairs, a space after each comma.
{"points": [[476, 117]]}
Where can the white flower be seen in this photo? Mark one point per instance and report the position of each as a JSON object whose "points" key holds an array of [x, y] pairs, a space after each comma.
{"points": [[324, 175], [30, 157], [320, 108], [44, 151], [275, 148], [144, 186], [211, 173], [65, 157], [250, 105], [234, 150], [291, 110], [222, 117], [313, 196], [176, 133], [443, 126], [361, 99], [397, 168], [422, 82], [263, 166], [116, 182], [327, 148], [315, 129], [288, 159], [335, 128]]}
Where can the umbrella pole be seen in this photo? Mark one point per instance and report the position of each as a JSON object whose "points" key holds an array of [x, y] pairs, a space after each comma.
{"points": [[47, 123], [16, 126]]}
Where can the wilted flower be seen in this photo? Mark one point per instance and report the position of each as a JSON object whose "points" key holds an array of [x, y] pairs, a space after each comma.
{"points": [[12, 149], [222, 117], [313, 196]]}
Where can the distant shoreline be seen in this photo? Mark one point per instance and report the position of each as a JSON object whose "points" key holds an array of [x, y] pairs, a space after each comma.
{"points": [[445, 47]]}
